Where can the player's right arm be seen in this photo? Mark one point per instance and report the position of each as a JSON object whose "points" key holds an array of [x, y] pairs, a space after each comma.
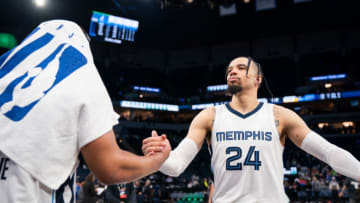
{"points": [[186, 151], [113, 165], [200, 126]]}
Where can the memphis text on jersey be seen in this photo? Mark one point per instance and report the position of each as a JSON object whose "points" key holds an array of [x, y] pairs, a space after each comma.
{"points": [[243, 135]]}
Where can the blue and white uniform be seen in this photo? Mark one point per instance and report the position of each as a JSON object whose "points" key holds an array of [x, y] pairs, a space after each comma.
{"points": [[247, 156], [52, 103]]}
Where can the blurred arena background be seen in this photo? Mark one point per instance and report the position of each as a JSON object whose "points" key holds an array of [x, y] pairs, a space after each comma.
{"points": [[162, 61]]}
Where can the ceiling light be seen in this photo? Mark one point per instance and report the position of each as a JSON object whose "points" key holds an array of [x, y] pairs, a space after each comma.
{"points": [[40, 3]]}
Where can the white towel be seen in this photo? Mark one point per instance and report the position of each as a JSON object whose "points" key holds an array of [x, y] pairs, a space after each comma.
{"points": [[52, 101]]}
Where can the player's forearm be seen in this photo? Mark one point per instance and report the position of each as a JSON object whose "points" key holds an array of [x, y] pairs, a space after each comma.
{"points": [[339, 159], [344, 163], [113, 165], [130, 167], [180, 158]]}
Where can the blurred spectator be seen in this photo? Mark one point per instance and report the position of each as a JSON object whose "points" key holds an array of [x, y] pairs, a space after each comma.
{"points": [[79, 194], [156, 193], [132, 192], [315, 187], [334, 188], [89, 190], [139, 192], [112, 194], [147, 191], [349, 188], [356, 196]]}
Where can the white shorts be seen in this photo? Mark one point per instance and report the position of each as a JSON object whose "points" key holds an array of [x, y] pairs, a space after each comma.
{"points": [[18, 186]]}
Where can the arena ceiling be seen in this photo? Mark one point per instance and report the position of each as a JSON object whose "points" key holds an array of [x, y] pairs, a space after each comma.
{"points": [[185, 23]]}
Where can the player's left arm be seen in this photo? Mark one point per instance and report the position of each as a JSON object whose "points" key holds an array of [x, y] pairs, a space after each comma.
{"points": [[311, 142]]}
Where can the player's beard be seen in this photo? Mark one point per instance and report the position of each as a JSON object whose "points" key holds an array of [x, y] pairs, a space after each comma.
{"points": [[233, 89]]}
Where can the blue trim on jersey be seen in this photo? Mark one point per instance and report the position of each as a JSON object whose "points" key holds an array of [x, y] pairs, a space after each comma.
{"points": [[244, 115], [211, 168], [52, 196], [60, 192]]}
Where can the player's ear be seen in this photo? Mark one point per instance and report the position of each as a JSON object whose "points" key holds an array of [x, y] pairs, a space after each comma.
{"points": [[259, 80]]}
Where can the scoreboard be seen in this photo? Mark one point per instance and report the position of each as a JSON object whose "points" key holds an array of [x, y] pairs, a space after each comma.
{"points": [[111, 28]]}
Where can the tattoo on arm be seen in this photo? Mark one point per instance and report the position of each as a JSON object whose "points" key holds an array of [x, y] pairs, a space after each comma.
{"points": [[277, 123], [276, 116]]}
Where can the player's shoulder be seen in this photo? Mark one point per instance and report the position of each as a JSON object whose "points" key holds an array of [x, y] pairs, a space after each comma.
{"points": [[282, 109], [284, 113], [210, 109], [205, 116], [208, 112]]}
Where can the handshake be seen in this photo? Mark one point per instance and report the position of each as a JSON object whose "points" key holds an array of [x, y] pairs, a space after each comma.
{"points": [[156, 146], [175, 163]]}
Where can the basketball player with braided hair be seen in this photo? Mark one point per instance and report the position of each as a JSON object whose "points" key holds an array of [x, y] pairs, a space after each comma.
{"points": [[247, 139]]}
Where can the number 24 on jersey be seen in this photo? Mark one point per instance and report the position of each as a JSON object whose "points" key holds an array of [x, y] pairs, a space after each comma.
{"points": [[249, 161]]}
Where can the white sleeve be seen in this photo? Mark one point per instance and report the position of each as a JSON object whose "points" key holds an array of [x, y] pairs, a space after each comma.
{"points": [[339, 159], [180, 158]]}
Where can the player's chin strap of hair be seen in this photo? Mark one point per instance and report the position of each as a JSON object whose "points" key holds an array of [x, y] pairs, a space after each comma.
{"points": [[180, 158], [340, 160]]}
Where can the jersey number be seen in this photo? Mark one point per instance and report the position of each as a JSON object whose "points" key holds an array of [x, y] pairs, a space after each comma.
{"points": [[248, 162]]}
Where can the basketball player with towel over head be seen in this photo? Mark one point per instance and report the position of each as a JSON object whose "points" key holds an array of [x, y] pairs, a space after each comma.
{"points": [[54, 105]]}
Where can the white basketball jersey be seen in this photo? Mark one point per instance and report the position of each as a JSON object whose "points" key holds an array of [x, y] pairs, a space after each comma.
{"points": [[52, 104], [19, 186], [247, 156]]}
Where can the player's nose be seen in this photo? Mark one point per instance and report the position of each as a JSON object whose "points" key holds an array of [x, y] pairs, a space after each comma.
{"points": [[232, 73]]}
